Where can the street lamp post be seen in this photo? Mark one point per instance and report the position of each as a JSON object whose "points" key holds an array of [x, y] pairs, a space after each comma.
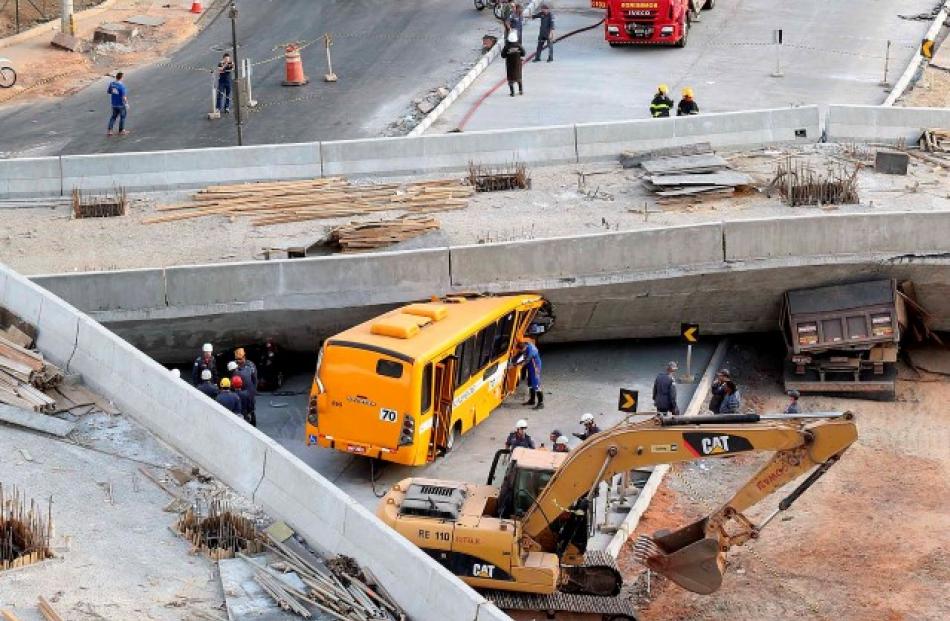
{"points": [[233, 14]]}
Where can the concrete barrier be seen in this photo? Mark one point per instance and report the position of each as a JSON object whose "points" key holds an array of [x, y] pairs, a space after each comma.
{"points": [[422, 154], [866, 234], [34, 176], [121, 290], [721, 130], [882, 123], [159, 170], [239, 455]]}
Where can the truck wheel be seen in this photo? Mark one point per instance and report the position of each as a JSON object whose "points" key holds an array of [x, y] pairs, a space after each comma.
{"points": [[710, 4], [682, 40]]}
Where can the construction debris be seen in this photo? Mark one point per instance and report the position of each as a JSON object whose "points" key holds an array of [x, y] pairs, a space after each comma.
{"points": [[331, 197], [489, 179], [24, 533], [935, 141], [23, 375], [220, 532], [632, 159], [683, 177], [800, 184], [358, 236], [100, 205], [37, 422]]}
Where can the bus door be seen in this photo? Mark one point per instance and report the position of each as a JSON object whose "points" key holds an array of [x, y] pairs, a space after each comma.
{"points": [[523, 319], [442, 416]]}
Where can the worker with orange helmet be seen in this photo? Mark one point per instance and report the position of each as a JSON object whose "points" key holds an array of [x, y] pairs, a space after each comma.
{"points": [[687, 105], [228, 398], [662, 104]]}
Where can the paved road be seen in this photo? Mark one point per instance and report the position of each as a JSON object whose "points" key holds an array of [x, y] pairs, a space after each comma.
{"points": [[577, 378], [384, 53], [833, 52]]}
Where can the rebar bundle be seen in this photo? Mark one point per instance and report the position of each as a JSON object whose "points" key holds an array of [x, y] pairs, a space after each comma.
{"points": [[221, 533], [800, 184], [24, 533], [489, 179], [100, 205]]}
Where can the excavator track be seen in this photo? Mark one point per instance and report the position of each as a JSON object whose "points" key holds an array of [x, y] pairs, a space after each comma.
{"points": [[614, 608], [598, 576]]}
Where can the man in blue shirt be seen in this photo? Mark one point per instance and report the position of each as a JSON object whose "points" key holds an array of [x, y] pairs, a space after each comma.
{"points": [[532, 362], [546, 33], [120, 104]]}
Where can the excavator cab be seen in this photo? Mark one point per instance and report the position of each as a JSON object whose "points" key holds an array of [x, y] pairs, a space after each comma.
{"points": [[520, 475]]}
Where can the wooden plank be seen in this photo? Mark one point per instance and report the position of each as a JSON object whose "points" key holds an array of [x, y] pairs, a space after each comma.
{"points": [[17, 336], [13, 351], [37, 422], [77, 394]]}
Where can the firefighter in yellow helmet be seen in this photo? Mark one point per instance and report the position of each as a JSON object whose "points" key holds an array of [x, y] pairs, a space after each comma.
{"points": [[687, 105], [662, 104]]}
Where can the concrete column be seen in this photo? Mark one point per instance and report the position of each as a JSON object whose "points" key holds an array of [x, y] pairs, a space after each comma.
{"points": [[67, 22]]}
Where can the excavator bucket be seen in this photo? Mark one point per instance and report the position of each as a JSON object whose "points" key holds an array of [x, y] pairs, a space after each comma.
{"points": [[687, 557]]}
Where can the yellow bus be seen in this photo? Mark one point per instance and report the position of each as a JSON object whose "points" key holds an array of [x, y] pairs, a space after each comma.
{"points": [[403, 386]]}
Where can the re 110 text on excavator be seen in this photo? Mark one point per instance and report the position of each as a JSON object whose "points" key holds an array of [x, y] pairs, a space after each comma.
{"points": [[525, 540]]}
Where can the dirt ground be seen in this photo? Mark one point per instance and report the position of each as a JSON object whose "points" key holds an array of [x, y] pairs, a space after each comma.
{"points": [[44, 71], [559, 202], [867, 541], [37, 12]]}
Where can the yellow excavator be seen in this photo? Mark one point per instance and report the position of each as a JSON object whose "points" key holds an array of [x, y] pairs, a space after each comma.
{"points": [[523, 543]]}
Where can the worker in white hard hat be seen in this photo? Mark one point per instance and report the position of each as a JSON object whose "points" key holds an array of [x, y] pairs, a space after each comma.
{"points": [[590, 427], [202, 362], [207, 385], [560, 445], [519, 437]]}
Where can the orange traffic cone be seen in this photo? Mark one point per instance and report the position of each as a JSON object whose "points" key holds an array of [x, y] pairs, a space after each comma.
{"points": [[196, 6], [295, 76]]}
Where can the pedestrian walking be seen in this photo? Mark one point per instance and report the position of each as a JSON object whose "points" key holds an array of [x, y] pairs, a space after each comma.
{"points": [[662, 104], [590, 427], [545, 33], [120, 104], [793, 407], [519, 437], [560, 445], [532, 362], [207, 386], [718, 390], [225, 70], [515, 19], [664, 391], [731, 401], [513, 52], [247, 399], [228, 398], [687, 105], [247, 370], [202, 362]]}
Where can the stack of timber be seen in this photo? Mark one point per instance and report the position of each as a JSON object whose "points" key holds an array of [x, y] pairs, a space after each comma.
{"points": [[358, 236], [689, 176], [24, 374], [935, 147], [332, 197]]}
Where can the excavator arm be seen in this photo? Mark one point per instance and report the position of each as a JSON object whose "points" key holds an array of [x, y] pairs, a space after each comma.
{"points": [[693, 556]]}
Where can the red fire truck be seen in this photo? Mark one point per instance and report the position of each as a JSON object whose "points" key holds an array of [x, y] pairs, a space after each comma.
{"points": [[649, 22]]}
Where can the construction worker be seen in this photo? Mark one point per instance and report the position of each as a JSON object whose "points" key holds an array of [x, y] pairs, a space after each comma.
{"points": [[202, 362], [247, 370], [793, 407], [718, 390], [731, 401], [560, 445], [519, 437], [247, 399], [546, 32], [228, 398], [590, 427], [662, 104], [687, 106], [532, 363], [207, 386], [664, 391], [224, 71]]}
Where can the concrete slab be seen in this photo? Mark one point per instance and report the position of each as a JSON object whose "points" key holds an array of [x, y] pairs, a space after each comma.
{"points": [[43, 423], [145, 20]]}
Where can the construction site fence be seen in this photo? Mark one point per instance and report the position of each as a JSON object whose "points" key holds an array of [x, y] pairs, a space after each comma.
{"points": [[564, 144]]}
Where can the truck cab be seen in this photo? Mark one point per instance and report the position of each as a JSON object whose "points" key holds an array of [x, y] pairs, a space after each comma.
{"points": [[649, 22]]}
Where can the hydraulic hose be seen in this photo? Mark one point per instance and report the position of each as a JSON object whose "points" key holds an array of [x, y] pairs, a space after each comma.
{"points": [[471, 111]]}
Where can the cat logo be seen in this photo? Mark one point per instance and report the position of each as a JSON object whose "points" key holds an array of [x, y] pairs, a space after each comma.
{"points": [[702, 444], [480, 570]]}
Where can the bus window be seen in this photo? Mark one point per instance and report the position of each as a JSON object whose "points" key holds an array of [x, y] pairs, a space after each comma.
{"points": [[503, 334], [426, 389], [389, 368], [486, 345], [467, 354]]}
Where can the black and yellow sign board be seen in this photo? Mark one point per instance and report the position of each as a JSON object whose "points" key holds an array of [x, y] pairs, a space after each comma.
{"points": [[628, 400], [689, 332], [927, 48]]}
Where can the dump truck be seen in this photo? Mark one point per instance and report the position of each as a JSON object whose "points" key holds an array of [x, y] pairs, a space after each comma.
{"points": [[843, 338], [650, 22]]}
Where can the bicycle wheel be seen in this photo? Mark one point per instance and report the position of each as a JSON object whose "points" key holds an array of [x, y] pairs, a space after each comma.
{"points": [[7, 77]]}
